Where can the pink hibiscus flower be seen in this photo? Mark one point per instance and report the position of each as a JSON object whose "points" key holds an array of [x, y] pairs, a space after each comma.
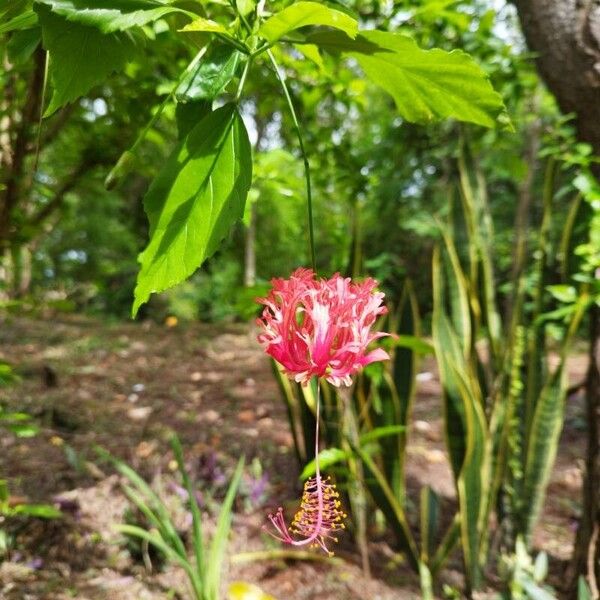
{"points": [[321, 327]]}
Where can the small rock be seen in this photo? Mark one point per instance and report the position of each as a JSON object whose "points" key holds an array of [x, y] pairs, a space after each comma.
{"points": [[422, 426], [262, 411], [145, 449], [196, 376], [246, 416], [139, 413], [210, 416], [435, 456], [282, 438]]}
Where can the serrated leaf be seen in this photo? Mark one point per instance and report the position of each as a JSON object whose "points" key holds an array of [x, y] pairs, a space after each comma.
{"points": [[427, 85], [195, 199], [213, 73], [80, 56], [301, 14], [111, 15]]}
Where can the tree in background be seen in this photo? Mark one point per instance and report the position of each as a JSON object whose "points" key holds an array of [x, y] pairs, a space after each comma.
{"points": [[566, 38]]}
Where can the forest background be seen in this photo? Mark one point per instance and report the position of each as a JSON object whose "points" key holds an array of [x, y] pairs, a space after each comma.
{"points": [[507, 214]]}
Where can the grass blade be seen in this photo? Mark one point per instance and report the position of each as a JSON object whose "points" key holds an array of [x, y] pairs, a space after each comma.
{"points": [[219, 541]]}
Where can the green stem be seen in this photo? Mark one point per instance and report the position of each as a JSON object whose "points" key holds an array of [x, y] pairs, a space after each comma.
{"points": [[241, 47], [238, 94], [290, 104], [157, 114], [38, 137]]}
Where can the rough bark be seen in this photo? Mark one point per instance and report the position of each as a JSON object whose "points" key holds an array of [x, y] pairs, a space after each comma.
{"points": [[565, 35]]}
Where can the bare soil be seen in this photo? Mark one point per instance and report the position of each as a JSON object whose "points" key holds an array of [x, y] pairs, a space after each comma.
{"points": [[126, 388]]}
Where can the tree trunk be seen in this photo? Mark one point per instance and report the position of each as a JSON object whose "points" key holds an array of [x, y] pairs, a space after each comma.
{"points": [[12, 171], [565, 35]]}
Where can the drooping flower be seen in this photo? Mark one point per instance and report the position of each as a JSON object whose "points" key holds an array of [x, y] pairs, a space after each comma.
{"points": [[321, 327], [320, 516]]}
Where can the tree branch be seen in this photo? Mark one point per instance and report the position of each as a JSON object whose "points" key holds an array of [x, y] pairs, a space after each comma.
{"points": [[29, 114], [58, 198]]}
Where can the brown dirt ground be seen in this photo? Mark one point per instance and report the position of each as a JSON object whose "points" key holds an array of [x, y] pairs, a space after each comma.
{"points": [[126, 387]]}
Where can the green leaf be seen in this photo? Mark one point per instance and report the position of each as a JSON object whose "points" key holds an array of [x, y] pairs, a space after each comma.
{"points": [[197, 531], [429, 508], [534, 591], [381, 432], [111, 15], [23, 430], [543, 444], [427, 85], [25, 20], [464, 420], [80, 56], [390, 506], [412, 342], [563, 293], [206, 25], [301, 14], [195, 199], [160, 544], [147, 497], [216, 553], [327, 458], [583, 591], [213, 73], [311, 52], [4, 494], [41, 511], [245, 7], [189, 114], [22, 44]]}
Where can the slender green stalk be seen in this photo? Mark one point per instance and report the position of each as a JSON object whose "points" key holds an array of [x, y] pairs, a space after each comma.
{"points": [[290, 104], [38, 137], [238, 94], [169, 97]]}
